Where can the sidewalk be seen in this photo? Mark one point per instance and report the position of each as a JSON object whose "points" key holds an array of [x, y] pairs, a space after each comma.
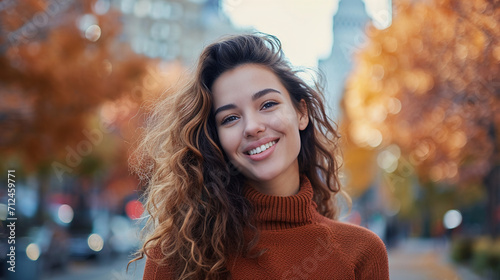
{"points": [[419, 259], [115, 269]]}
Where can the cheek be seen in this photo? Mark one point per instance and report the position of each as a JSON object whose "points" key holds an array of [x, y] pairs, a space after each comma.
{"points": [[228, 142], [284, 121], [287, 123]]}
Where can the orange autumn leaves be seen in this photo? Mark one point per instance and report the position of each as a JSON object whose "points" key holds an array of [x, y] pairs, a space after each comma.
{"points": [[430, 84], [54, 78]]}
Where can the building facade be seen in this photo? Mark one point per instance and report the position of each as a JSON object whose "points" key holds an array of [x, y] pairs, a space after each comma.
{"points": [[172, 29], [349, 35]]}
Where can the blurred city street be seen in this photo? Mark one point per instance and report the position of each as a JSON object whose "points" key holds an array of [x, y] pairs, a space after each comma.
{"points": [[412, 86], [418, 259], [113, 269]]}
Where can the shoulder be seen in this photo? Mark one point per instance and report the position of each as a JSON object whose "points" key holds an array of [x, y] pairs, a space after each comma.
{"points": [[157, 267], [351, 231], [355, 241], [362, 248], [359, 247]]}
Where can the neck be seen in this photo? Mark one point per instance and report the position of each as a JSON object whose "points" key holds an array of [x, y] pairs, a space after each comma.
{"points": [[283, 185], [279, 212]]}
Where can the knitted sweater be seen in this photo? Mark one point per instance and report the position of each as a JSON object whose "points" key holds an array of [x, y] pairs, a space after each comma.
{"points": [[301, 244]]}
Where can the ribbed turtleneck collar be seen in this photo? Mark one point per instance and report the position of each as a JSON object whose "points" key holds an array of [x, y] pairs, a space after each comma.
{"points": [[282, 212]]}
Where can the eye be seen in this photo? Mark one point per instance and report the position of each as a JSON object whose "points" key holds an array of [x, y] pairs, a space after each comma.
{"points": [[228, 120], [269, 104]]}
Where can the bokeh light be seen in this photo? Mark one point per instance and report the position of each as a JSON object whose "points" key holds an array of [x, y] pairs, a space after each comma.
{"points": [[65, 213], [388, 158], [134, 209], [452, 219], [93, 33], [3, 211], [33, 251], [85, 21], [95, 242], [101, 7]]}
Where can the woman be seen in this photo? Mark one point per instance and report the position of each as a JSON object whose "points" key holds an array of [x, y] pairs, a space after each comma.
{"points": [[242, 176]]}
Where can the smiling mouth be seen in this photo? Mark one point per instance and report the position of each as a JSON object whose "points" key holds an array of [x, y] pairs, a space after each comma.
{"points": [[262, 148]]}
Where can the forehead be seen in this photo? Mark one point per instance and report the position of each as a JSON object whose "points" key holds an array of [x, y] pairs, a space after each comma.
{"points": [[245, 80]]}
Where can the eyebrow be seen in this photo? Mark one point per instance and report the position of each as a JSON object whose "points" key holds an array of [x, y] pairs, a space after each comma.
{"points": [[255, 96]]}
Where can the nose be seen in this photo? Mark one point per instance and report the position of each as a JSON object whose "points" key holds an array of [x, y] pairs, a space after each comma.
{"points": [[253, 126]]}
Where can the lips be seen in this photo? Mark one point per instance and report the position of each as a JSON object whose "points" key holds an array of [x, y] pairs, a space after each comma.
{"points": [[260, 146]]}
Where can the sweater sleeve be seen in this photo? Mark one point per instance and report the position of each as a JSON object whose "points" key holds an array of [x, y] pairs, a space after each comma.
{"points": [[155, 271], [373, 262]]}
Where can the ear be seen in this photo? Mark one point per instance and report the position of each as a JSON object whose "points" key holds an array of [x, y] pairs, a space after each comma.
{"points": [[303, 115]]}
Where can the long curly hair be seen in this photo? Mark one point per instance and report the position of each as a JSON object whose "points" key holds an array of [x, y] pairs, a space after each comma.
{"points": [[194, 197]]}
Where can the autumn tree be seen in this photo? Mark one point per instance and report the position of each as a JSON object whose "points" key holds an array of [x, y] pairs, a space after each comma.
{"points": [[60, 62], [430, 85]]}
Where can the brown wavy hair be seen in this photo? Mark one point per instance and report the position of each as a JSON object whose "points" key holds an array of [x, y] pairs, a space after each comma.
{"points": [[197, 211]]}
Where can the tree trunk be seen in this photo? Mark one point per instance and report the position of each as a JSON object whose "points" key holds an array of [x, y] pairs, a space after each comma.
{"points": [[492, 185], [43, 180]]}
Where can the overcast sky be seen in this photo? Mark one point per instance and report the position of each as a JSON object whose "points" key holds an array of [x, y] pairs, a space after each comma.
{"points": [[303, 26]]}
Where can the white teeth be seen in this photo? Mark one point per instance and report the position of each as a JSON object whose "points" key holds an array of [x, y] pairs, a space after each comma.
{"points": [[262, 148]]}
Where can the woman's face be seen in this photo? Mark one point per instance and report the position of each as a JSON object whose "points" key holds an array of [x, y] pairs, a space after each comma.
{"points": [[258, 125]]}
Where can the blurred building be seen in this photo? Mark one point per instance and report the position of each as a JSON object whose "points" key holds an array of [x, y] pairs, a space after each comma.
{"points": [[172, 29], [349, 35]]}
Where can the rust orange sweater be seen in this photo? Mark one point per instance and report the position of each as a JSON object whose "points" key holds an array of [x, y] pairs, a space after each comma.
{"points": [[302, 244]]}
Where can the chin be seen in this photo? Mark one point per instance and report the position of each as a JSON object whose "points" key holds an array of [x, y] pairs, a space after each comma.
{"points": [[264, 176]]}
